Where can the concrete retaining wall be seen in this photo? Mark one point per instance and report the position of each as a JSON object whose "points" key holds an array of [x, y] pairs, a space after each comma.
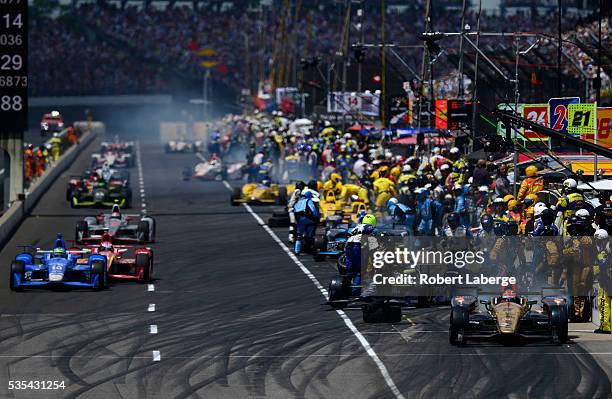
{"points": [[14, 215]]}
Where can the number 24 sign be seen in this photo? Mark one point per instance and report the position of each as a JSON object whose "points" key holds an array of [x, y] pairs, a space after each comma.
{"points": [[536, 113]]}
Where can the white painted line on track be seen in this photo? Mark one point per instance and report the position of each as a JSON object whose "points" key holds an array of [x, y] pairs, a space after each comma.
{"points": [[364, 342], [150, 287], [151, 307], [294, 356], [153, 329], [201, 157], [156, 356], [143, 204]]}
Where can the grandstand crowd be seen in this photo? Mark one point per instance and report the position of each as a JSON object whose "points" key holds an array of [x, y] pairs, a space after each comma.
{"points": [[111, 50]]}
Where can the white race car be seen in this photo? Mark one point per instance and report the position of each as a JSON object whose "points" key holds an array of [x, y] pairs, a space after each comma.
{"points": [[183, 146], [214, 170]]}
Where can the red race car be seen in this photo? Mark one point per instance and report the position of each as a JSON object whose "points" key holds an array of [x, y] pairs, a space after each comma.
{"points": [[125, 262]]}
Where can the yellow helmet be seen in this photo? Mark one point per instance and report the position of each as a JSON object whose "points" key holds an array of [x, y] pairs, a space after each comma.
{"points": [[508, 197], [395, 171], [335, 177], [531, 170], [383, 171], [512, 205]]}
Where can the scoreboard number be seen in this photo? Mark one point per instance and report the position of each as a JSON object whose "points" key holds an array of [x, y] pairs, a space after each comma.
{"points": [[13, 66]]}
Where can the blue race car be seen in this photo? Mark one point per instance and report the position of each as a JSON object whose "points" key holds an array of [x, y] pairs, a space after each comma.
{"points": [[58, 267]]}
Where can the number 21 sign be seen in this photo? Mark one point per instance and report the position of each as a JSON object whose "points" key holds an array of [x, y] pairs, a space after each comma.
{"points": [[558, 112]]}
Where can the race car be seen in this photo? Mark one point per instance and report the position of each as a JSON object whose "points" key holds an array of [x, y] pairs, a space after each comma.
{"points": [[51, 123], [124, 262], [182, 146], [508, 315], [214, 169], [58, 267], [112, 158], [332, 242], [264, 193], [116, 177], [100, 194], [122, 228], [346, 288], [117, 146]]}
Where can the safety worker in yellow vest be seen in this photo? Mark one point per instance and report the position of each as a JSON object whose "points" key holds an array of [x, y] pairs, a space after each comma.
{"points": [[532, 184], [568, 204], [603, 276], [56, 146]]}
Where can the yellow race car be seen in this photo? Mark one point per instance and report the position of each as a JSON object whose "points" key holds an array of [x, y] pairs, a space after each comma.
{"points": [[347, 212], [261, 194]]}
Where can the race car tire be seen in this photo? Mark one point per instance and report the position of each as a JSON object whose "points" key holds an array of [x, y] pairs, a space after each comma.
{"points": [[558, 324], [458, 321], [373, 313], [151, 222], [186, 175], [17, 267], [320, 243], [68, 194], [167, 148], [282, 196], [236, 193], [393, 313], [98, 269], [81, 231], [423, 302], [143, 261], [223, 173], [278, 221], [142, 232], [339, 289], [317, 257], [341, 264]]}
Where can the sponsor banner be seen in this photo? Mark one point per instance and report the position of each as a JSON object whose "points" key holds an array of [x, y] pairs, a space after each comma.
{"points": [[557, 112], [366, 103], [398, 110], [536, 113], [441, 114], [501, 128], [588, 167], [581, 119], [459, 114], [604, 128]]}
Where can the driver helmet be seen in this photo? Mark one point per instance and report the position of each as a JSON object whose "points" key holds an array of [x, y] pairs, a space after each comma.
{"points": [[116, 212], [369, 219], [59, 252], [106, 246]]}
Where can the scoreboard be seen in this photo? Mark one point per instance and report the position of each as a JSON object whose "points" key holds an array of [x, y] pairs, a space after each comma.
{"points": [[13, 66]]}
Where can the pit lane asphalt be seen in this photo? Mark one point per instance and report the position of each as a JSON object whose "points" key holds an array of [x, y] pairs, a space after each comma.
{"points": [[237, 318]]}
